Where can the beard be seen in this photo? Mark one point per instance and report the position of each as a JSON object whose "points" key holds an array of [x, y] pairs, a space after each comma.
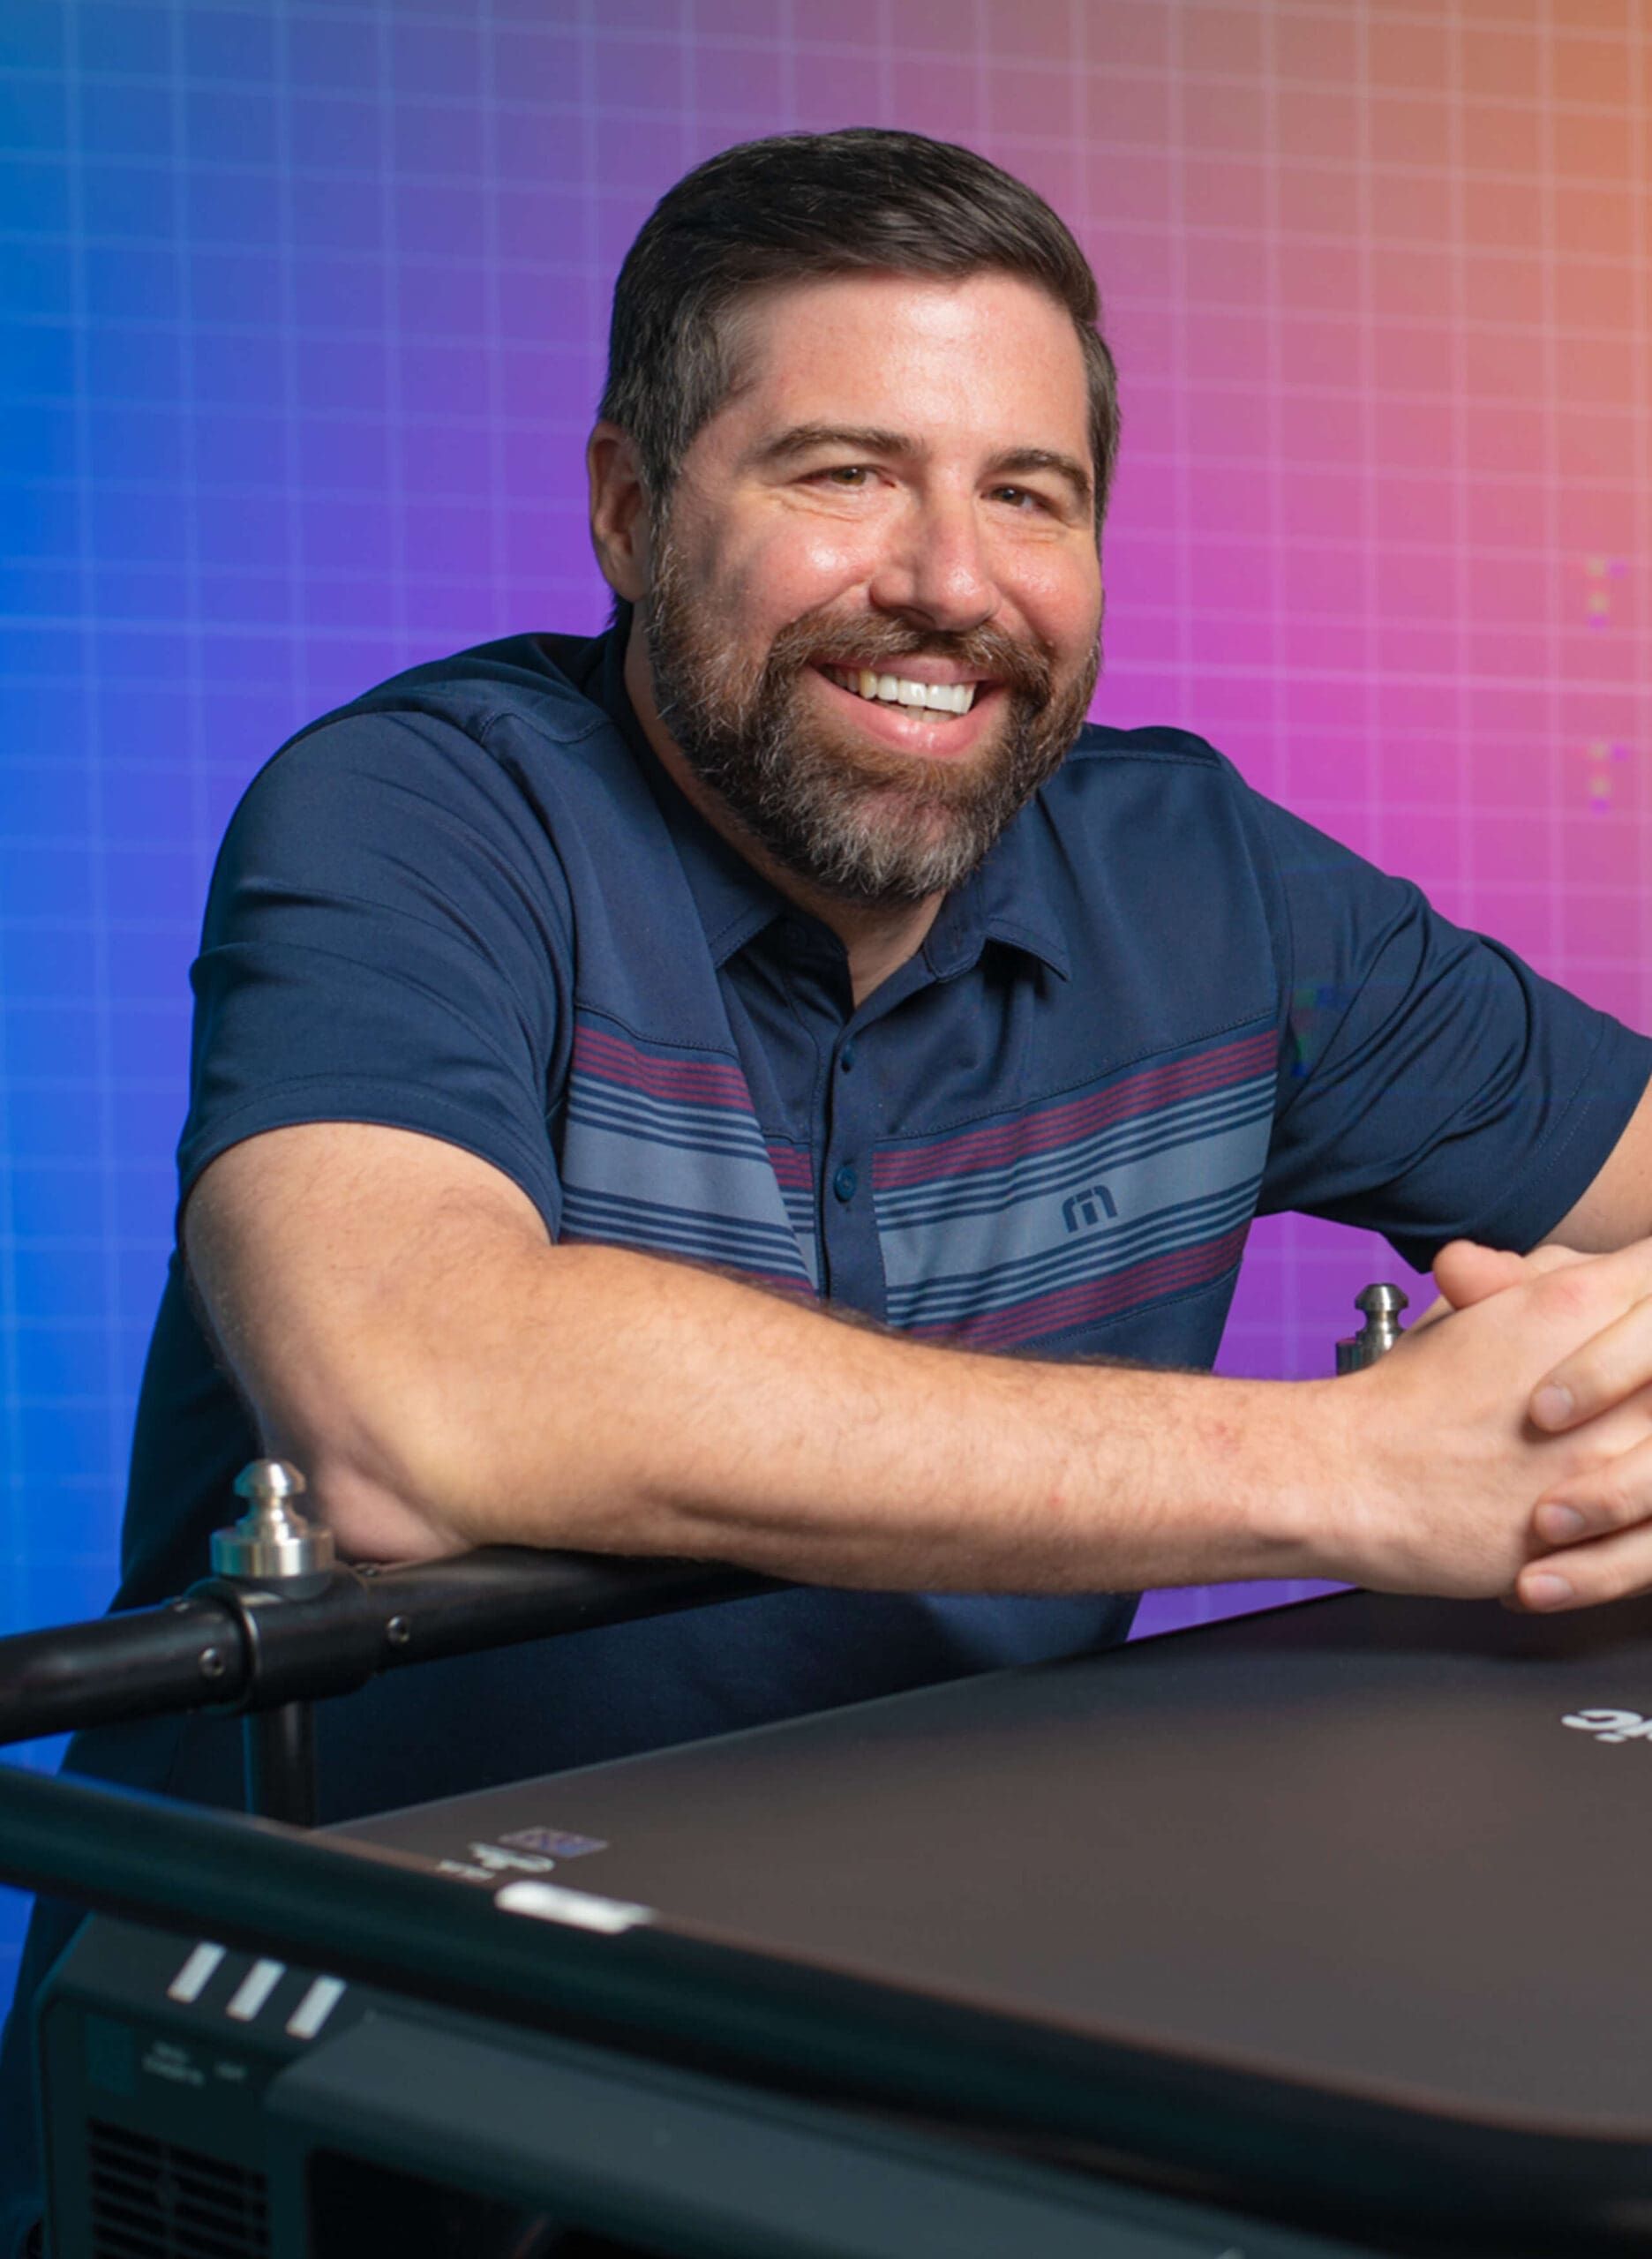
{"points": [[860, 823]]}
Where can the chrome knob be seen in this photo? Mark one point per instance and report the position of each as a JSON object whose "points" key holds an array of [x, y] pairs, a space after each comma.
{"points": [[273, 1540], [1382, 1305]]}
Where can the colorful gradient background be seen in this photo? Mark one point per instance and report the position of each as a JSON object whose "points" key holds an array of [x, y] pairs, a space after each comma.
{"points": [[302, 317]]}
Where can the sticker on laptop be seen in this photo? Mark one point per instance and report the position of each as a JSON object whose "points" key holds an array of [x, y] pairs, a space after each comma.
{"points": [[555, 1842]]}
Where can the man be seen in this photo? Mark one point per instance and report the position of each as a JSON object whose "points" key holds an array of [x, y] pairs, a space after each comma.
{"points": [[592, 1036]]}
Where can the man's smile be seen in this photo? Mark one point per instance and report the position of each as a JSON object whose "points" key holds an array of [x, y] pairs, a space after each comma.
{"points": [[935, 710], [939, 696]]}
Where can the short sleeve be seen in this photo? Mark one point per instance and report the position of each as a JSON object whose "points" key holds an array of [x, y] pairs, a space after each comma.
{"points": [[1432, 1086], [386, 940]]}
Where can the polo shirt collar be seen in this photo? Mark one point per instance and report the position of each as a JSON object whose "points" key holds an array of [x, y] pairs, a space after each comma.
{"points": [[1003, 901]]}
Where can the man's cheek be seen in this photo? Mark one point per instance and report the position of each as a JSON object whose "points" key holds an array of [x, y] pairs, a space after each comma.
{"points": [[1062, 602], [800, 569]]}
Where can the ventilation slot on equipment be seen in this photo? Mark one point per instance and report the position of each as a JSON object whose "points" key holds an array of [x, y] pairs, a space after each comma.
{"points": [[153, 2200]]}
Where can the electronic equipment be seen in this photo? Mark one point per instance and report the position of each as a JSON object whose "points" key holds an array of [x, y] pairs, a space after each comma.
{"points": [[1254, 1939], [273, 2111]]}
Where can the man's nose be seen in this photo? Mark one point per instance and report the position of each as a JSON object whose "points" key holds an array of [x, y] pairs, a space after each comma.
{"points": [[935, 570]]}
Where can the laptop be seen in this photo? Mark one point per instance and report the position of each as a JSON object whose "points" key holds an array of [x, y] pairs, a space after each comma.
{"points": [[1363, 1881]]}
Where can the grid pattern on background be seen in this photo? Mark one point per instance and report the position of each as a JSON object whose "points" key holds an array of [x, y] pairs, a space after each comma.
{"points": [[301, 311]]}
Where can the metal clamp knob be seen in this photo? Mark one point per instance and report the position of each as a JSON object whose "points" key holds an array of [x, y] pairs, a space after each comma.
{"points": [[1382, 1305], [273, 1540]]}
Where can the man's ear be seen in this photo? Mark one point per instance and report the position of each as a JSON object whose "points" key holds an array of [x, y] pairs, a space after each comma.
{"points": [[619, 512]]}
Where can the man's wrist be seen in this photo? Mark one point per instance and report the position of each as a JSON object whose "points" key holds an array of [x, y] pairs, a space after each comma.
{"points": [[1302, 1503]]}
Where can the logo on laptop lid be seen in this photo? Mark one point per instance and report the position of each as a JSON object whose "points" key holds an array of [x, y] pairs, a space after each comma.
{"points": [[1611, 1725]]}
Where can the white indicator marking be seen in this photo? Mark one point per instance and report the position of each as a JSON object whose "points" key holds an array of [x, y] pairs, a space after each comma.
{"points": [[196, 1974], [580, 1910], [316, 2006], [254, 1989]]}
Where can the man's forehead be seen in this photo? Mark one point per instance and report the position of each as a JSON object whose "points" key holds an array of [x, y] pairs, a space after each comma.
{"points": [[883, 350]]}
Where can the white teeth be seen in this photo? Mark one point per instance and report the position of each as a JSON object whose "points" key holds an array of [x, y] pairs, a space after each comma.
{"points": [[899, 690]]}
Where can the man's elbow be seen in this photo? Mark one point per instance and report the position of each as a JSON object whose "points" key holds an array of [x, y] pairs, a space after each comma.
{"points": [[381, 1504]]}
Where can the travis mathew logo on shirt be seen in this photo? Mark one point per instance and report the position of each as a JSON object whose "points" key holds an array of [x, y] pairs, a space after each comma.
{"points": [[1084, 1210], [1611, 1725]]}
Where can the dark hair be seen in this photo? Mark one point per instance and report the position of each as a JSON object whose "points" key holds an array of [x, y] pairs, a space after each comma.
{"points": [[802, 204]]}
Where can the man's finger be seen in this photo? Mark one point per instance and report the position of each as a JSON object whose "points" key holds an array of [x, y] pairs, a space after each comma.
{"points": [[1465, 1272], [1583, 1576], [1608, 1367], [1614, 1495]]}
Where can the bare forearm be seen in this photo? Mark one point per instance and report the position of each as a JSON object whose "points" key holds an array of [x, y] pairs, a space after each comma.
{"points": [[402, 1327], [597, 1397]]}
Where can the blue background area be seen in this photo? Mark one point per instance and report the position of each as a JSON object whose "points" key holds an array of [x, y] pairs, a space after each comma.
{"points": [[286, 401], [302, 310]]}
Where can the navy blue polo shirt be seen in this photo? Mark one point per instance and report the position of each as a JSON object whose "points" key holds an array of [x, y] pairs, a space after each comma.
{"points": [[472, 904]]}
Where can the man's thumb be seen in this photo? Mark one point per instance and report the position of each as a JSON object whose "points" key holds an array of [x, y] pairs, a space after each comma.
{"points": [[1467, 1272]]}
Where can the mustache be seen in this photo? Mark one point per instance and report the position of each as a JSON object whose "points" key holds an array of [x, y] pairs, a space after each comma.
{"points": [[825, 638]]}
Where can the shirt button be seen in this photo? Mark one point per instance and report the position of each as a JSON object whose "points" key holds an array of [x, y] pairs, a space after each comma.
{"points": [[845, 1057], [844, 1183]]}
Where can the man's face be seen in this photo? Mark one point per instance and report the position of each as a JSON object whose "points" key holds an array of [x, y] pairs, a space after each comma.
{"points": [[894, 507]]}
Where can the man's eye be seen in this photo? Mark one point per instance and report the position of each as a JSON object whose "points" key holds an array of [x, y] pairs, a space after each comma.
{"points": [[1022, 497], [850, 474]]}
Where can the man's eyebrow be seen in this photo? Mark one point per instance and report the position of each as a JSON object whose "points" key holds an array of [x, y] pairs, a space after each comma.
{"points": [[858, 439], [1023, 460], [868, 440]]}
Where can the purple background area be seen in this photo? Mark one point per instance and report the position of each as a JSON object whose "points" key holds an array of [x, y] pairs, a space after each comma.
{"points": [[301, 318]]}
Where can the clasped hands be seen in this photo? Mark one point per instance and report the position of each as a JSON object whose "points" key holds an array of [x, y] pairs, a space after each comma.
{"points": [[1572, 1336]]}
